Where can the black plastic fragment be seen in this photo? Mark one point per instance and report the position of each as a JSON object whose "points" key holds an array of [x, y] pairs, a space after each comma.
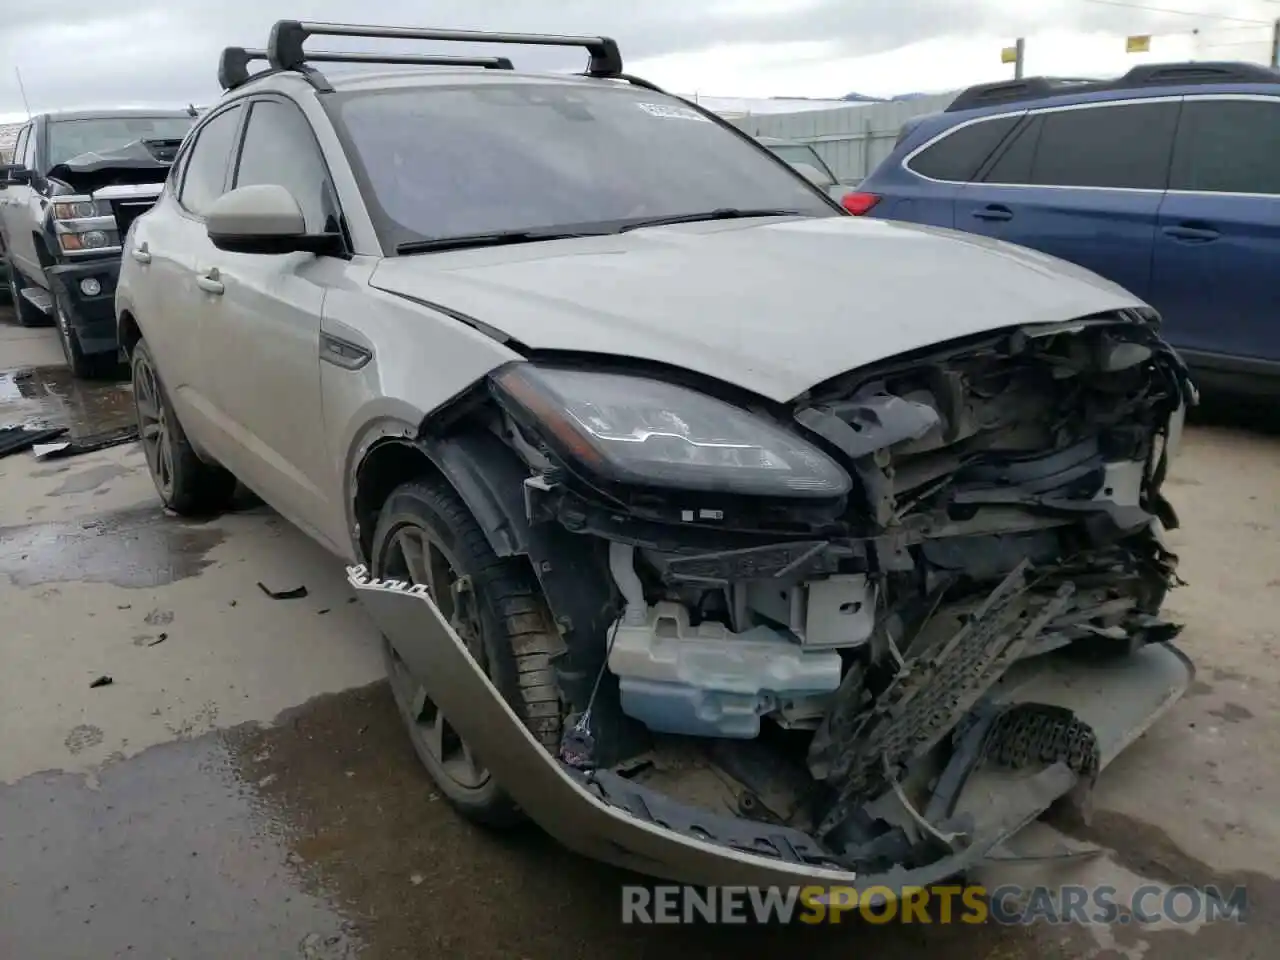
{"points": [[99, 441], [297, 593], [18, 438], [102, 681]]}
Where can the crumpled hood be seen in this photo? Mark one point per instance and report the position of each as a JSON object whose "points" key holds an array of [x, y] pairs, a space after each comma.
{"points": [[775, 306], [140, 162]]}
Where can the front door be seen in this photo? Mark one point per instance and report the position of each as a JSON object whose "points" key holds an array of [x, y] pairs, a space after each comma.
{"points": [[21, 209], [264, 323], [1215, 280]]}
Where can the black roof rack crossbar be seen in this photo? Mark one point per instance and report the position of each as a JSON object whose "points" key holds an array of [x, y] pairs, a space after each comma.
{"points": [[233, 70], [284, 50], [1144, 75]]}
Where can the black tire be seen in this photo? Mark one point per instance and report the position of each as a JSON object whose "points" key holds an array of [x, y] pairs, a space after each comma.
{"points": [[83, 366], [515, 643], [186, 484], [27, 313]]}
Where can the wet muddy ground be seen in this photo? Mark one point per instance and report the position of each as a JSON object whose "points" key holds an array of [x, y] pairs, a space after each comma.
{"points": [[242, 786]]}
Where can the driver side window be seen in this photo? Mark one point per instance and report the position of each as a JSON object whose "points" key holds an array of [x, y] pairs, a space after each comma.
{"points": [[279, 148], [20, 145], [28, 156]]}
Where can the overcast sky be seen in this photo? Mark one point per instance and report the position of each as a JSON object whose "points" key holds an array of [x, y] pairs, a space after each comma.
{"points": [[82, 53]]}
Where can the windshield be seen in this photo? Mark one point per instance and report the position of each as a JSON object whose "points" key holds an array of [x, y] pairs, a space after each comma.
{"points": [[69, 139], [800, 153], [484, 158]]}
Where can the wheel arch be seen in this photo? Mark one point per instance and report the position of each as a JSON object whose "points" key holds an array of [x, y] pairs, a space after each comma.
{"points": [[128, 332], [484, 472], [571, 569]]}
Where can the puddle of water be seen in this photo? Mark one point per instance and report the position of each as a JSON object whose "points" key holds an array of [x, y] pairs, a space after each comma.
{"points": [[52, 397], [132, 548], [165, 857]]}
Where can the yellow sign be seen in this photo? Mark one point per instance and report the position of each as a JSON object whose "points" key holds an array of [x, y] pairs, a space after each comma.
{"points": [[1009, 55], [1137, 44]]}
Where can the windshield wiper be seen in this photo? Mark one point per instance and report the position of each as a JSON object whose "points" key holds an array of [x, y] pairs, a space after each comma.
{"points": [[498, 239], [722, 213]]}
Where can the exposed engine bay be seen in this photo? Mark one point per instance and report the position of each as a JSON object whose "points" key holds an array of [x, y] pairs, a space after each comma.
{"points": [[824, 647]]}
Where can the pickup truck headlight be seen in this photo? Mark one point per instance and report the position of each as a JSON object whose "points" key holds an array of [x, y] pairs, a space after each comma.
{"points": [[638, 431], [78, 210], [83, 224]]}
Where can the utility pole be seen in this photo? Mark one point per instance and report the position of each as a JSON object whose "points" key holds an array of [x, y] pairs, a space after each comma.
{"points": [[1275, 43], [1020, 45]]}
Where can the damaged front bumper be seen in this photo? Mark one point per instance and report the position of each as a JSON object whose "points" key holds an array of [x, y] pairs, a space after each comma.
{"points": [[604, 816]]}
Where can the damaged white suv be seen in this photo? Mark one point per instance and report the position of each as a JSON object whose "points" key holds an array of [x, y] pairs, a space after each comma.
{"points": [[728, 537]]}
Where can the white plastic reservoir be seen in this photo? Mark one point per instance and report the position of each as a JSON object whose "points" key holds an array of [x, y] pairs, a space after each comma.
{"points": [[707, 681]]}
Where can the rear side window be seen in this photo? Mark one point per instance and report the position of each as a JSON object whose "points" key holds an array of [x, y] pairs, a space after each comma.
{"points": [[1015, 162], [1127, 146], [958, 155], [206, 169], [1228, 146]]}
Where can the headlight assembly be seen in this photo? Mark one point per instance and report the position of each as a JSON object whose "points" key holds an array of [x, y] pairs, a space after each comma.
{"points": [[78, 210], [638, 431]]}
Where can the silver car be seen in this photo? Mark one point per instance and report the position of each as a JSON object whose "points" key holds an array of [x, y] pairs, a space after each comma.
{"points": [[728, 537]]}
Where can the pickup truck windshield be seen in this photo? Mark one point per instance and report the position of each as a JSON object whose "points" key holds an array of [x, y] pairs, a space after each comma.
{"points": [[71, 138], [455, 161]]}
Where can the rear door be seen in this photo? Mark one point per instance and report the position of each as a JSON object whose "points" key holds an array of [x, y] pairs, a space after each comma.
{"points": [[1217, 245], [924, 190], [167, 245], [1083, 183]]}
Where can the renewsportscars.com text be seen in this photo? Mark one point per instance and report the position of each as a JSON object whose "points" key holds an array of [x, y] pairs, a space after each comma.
{"points": [[1005, 905]]}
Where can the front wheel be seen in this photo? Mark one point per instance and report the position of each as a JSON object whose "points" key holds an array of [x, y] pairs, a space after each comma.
{"points": [[83, 366], [187, 485], [426, 535]]}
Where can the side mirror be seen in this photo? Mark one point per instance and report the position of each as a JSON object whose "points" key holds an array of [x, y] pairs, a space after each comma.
{"points": [[13, 174], [264, 218]]}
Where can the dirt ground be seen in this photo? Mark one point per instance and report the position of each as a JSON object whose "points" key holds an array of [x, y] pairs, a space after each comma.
{"points": [[242, 787]]}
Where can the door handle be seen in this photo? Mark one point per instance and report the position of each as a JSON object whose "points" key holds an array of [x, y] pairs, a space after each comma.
{"points": [[210, 283], [994, 212], [141, 253], [1191, 233]]}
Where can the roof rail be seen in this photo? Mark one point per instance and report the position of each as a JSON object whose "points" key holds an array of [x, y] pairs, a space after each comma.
{"points": [[284, 49], [233, 67], [1145, 75]]}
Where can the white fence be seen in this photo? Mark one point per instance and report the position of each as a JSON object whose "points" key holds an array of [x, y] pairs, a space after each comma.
{"points": [[852, 139]]}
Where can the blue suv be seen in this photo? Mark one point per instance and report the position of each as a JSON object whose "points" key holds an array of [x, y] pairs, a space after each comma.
{"points": [[1165, 180]]}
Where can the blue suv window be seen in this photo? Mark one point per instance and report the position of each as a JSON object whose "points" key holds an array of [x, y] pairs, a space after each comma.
{"points": [[958, 155], [1228, 146], [1120, 146]]}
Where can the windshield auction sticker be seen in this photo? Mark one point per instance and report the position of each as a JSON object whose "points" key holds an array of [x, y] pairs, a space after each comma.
{"points": [[672, 111]]}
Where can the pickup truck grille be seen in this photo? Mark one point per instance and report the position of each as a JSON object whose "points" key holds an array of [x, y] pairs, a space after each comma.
{"points": [[127, 211]]}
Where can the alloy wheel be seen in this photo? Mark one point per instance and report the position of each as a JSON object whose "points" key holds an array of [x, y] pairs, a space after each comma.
{"points": [[154, 432], [415, 555]]}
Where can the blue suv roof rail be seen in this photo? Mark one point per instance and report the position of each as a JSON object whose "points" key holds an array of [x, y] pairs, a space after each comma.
{"points": [[1144, 75], [284, 49], [233, 66]]}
